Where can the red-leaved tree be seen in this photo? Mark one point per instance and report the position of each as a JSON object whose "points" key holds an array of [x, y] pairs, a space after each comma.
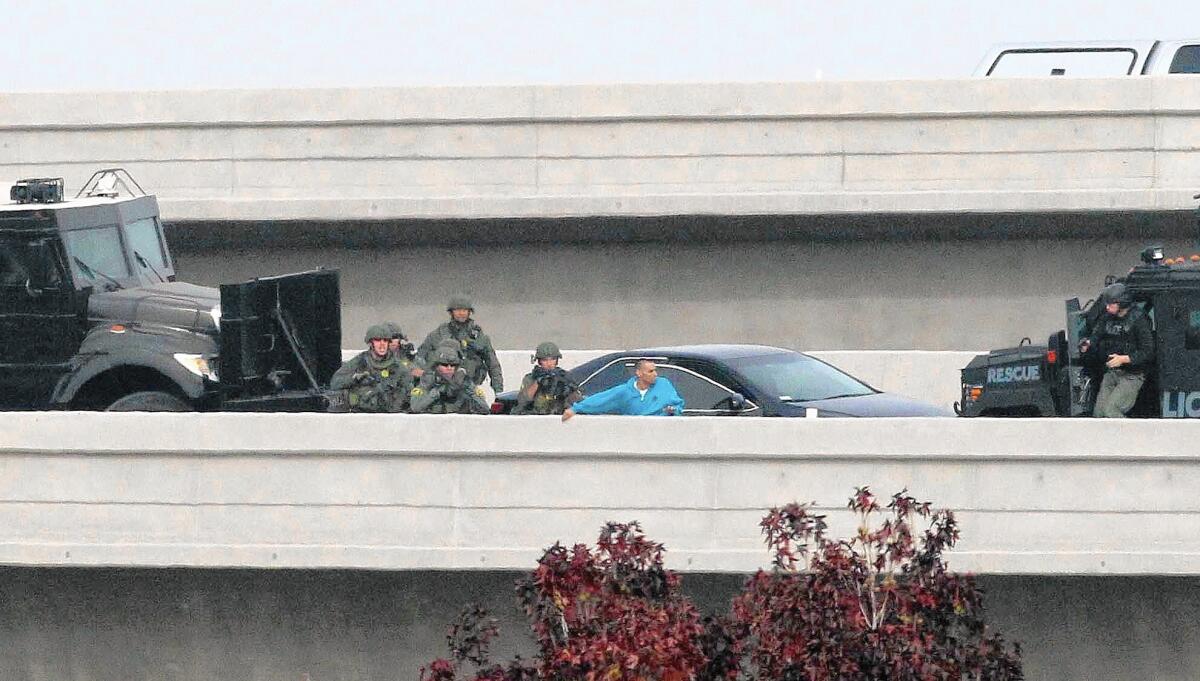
{"points": [[609, 614], [880, 605]]}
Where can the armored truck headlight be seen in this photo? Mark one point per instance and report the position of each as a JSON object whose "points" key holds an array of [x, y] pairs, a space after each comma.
{"points": [[197, 364], [215, 313]]}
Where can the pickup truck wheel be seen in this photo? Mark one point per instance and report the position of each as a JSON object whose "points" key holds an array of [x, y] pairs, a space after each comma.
{"points": [[149, 400]]}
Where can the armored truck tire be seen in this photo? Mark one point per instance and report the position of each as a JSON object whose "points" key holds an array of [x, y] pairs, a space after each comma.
{"points": [[149, 400]]}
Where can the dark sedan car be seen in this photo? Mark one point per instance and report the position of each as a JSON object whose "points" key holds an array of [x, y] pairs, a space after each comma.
{"points": [[745, 380]]}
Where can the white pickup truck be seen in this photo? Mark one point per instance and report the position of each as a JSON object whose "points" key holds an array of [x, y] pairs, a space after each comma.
{"points": [[1092, 59]]}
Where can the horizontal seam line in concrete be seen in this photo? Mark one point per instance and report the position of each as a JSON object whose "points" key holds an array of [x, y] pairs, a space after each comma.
{"points": [[614, 157], [840, 193], [558, 120], [587, 507], [571, 456], [457, 548]]}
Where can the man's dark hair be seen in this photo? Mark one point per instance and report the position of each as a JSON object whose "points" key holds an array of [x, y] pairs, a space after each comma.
{"points": [[640, 362]]}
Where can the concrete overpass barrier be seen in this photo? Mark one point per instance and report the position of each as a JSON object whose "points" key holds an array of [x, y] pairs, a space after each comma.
{"points": [[403, 492], [980, 145]]}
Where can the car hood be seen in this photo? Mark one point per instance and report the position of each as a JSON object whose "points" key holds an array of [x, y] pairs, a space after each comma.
{"points": [[877, 404], [174, 304]]}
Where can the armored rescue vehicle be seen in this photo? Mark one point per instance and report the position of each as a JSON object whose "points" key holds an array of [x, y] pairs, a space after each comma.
{"points": [[92, 317], [1056, 379]]}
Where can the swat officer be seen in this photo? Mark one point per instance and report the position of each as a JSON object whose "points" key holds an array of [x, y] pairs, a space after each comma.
{"points": [[375, 379], [401, 347], [547, 389], [1121, 339], [478, 356], [445, 388]]}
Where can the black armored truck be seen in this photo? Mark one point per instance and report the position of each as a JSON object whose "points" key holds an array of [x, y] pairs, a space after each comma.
{"points": [[1057, 379], [92, 317]]}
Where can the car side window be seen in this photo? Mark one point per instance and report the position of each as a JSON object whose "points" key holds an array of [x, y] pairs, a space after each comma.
{"points": [[617, 371], [700, 395]]}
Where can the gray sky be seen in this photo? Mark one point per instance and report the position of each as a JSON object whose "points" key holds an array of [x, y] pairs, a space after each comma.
{"points": [[187, 44]]}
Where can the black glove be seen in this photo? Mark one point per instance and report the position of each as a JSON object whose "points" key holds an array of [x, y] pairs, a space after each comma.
{"points": [[553, 382], [449, 388], [406, 349]]}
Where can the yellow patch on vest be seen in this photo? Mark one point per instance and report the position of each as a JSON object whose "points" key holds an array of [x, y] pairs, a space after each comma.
{"points": [[385, 373], [479, 392], [417, 392]]}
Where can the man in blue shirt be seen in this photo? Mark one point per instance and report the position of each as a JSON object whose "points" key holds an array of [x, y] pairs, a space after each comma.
{"points": [[643, 395]]}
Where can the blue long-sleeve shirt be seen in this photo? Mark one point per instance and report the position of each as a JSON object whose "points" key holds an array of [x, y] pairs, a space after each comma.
{"points": [[625, 399]]}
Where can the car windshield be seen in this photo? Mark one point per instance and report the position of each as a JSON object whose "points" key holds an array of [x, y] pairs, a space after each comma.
{"points": [[794, 377]]}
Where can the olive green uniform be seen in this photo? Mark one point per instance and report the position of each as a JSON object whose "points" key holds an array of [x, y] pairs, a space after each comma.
{"points": [[478, 356], [436, 395], [375, 384]]}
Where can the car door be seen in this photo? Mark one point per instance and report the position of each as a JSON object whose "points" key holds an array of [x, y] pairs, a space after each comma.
{"points": [[40, 321], [702, 395]]}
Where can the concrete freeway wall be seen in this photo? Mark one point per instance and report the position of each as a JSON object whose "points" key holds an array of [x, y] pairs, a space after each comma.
{"points": [[983, 145], [854, 295], [487, 493], [190, 547]]}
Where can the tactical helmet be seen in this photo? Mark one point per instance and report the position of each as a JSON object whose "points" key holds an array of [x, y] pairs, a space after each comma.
{"points": [[547, 350], [1117, 293], [380, 331], [447, 353], [460, 303], [394, 331]]}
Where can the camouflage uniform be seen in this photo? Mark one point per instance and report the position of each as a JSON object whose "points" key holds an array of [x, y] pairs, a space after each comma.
{"points": [[437, 395], [374, 384], [479, 357], [556, 391]]}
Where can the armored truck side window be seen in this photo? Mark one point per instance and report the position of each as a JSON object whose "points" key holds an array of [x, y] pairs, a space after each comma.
{"points": [[1191, 335], [12, 269], [96, 255], [24, 262]]}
